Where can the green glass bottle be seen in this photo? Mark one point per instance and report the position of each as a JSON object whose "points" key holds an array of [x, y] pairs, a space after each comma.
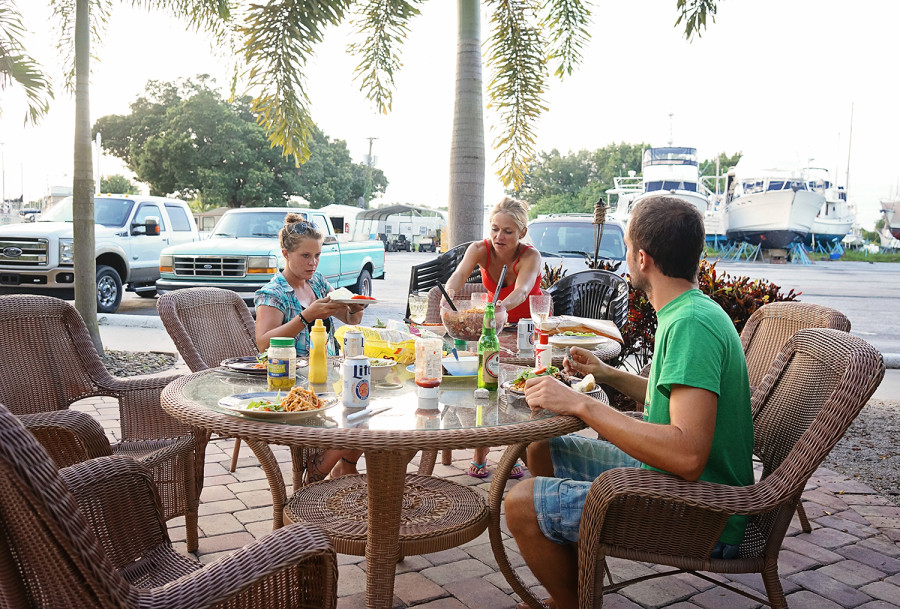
{"points": [[488, 352]]}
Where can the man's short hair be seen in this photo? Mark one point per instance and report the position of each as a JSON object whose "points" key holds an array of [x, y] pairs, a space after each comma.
{"points": [[670, 230]]}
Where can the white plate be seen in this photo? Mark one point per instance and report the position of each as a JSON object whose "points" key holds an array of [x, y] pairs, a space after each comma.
{"points": [[349, 301], [248, 364], [588, 342], [238, 404]]}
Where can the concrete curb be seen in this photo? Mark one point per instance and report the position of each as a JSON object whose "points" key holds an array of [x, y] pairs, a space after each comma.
{"points": [[891, 360], [129, 321]]}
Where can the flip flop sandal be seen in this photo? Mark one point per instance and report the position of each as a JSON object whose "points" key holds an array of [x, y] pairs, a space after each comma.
{"points": [[480, 470], [517, 474]]}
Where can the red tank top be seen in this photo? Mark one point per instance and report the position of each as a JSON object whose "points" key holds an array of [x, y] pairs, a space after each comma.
{"points": [[523, 310]]}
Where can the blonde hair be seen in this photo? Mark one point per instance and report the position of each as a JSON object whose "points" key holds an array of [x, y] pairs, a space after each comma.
{"points": [[515, 208], [290, 237]]}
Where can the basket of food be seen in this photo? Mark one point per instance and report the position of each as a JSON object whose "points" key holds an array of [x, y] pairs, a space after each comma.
{"points": [[515, 389], [465, 323]]}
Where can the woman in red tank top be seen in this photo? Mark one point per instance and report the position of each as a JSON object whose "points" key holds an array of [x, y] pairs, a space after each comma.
{"points": [[508, 225]]}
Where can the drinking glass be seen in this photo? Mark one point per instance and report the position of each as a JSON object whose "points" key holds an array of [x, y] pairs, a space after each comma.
{"points": [[429, 368], [540, 309], [418, 307], [479, 299]]}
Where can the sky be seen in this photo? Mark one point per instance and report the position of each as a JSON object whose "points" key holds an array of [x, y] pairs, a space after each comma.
{"points": [[769, 78]]}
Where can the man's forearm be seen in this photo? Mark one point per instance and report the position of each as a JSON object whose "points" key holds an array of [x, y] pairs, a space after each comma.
{"points": [[632, 385]]}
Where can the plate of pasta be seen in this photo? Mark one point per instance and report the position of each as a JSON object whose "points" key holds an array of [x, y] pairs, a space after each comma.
{"points": [[298, 403]]}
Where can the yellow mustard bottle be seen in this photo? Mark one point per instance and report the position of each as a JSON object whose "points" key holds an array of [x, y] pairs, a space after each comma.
{"points": [[318, 361], [281, 368]]}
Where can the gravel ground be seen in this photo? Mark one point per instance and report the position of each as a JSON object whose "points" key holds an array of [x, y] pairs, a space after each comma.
{"points": [[869, 451], [134, 363]]}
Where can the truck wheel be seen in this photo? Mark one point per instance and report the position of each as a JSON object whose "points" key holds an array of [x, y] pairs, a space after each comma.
{"points": [[364, 283], [109, 289]]}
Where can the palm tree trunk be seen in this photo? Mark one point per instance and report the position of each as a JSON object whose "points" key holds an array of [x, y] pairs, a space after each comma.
{"points": [[83, 182], [466, 202]]}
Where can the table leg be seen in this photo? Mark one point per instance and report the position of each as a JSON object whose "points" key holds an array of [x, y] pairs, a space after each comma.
{"points": [[512, 454], [386, 480], [273, 475]]}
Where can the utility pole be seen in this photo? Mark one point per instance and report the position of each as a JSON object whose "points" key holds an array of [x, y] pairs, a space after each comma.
{"points": [[368, 187]]}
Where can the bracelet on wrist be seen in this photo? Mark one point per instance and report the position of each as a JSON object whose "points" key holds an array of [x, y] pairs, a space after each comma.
{"points": [[303, 319]]}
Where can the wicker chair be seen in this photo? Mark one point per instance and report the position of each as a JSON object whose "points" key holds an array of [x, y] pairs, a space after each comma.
{"points": [[818, 384], [208, 325], [47, 344], [766, 332], [592, 293], [93, 536], [772, 325]]}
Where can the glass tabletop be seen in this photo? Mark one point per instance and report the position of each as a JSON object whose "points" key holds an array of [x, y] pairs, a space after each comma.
{"points": [[455, 408]]}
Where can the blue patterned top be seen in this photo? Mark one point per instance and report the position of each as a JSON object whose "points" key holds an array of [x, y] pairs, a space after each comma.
{"points": [[279, 294]]}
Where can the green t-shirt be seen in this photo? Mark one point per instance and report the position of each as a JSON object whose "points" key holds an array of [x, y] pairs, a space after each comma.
{"points": [[697, 345]]}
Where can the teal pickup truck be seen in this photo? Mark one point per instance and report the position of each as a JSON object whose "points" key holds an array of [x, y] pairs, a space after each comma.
{"points": [[243, 253]]}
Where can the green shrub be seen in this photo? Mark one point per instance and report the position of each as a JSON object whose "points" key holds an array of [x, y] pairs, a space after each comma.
{"points": [[739, 296]]}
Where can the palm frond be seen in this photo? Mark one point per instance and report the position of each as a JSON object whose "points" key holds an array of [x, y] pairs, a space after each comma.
{"points": [[385, 24], [279, 38], [567, 21], [693, 14], [517, 57], [18, 68]]}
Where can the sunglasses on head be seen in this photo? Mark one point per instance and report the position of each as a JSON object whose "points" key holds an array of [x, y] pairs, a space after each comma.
{"points": [[301, 227]]}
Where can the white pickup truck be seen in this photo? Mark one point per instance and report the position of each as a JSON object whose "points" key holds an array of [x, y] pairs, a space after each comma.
{"points": [[130, 231]]}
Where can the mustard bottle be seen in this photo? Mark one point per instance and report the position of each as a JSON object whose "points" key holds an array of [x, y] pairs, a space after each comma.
{"points": [[318, 362]]}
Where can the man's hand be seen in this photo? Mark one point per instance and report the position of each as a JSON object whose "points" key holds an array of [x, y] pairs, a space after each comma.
{"points": [[551, 394], [582, 362]]}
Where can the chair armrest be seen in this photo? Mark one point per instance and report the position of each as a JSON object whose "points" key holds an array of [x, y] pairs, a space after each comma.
{"points": [[140, 411], [649, 511], [68, 436], [296, 563], [117, 496]]}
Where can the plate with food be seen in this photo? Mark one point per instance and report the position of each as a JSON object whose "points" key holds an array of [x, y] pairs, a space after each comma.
{"points": [[515, 388], [588, 340], [297, 404], [345, 296], [251, 365]]}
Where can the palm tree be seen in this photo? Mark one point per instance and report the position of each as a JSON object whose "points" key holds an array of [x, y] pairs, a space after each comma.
{"points": [[18, 68]]}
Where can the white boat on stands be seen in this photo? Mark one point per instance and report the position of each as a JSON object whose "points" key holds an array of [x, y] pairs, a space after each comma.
{"points": [[673, 171], [714, 220], [836, 216], [889, 209], [772, 207]]}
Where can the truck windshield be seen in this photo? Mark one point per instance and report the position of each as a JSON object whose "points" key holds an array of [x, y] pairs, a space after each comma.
{"points": [[107, 211], [260, 224], [574, 239]]}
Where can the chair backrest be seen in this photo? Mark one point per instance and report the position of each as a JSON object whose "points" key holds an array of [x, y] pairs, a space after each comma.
{"points": [[592, 293], [423, 277], [49, 359], [49, 554], [816, 387], [208, 325], [772, 325]]}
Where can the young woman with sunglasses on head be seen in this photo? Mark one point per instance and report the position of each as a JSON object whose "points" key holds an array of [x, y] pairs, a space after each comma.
{"points": [[508, 226], [291, 303]]}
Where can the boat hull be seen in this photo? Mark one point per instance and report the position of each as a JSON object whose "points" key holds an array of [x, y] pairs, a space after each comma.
{"points": [[773, 219]]}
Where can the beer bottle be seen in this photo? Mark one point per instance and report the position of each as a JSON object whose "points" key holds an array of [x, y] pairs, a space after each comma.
{"points": [[488, 351]]}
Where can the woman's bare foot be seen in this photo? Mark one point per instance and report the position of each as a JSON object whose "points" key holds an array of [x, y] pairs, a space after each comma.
{"points": [[344, 467]]}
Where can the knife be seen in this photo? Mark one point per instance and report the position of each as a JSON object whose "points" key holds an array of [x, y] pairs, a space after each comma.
{"points": [[366, 412]]}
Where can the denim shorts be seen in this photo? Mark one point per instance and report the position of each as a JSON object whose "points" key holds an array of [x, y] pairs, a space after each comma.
{"points": [[577, 461]]}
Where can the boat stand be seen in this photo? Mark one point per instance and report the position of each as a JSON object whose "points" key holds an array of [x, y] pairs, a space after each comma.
{"points": [[743, 251], [798, 254]]}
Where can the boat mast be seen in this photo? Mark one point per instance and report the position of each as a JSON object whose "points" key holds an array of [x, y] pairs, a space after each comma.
{"points": [[849, 144]]}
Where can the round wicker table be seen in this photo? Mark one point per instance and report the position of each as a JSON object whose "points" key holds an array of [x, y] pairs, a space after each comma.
{"points": [[386, 513]]}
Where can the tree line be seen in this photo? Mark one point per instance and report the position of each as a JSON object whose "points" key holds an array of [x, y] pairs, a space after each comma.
{"points": [[182, 138]]}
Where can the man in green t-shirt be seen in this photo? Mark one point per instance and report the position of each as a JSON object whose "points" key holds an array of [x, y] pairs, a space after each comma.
{"points": [[697, 421]]}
